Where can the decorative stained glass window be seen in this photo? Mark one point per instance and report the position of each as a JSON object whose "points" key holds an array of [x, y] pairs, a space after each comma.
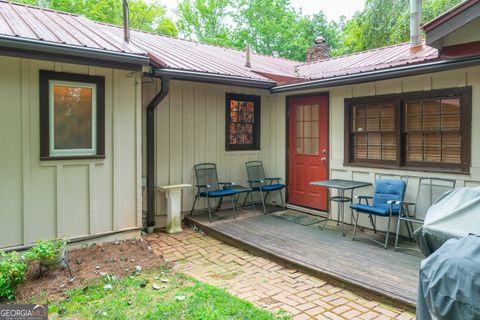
{"points": [[242, 122]]}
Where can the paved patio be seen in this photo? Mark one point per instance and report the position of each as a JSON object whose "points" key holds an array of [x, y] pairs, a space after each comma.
{"points": [[264, 282], [359, 266]]}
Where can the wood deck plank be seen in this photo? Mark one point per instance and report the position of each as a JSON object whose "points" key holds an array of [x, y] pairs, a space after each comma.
{"points": [[365, 265]]}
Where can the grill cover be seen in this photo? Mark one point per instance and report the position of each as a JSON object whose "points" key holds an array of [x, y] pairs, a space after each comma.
{"points": [[449, 285], [454, 215]]}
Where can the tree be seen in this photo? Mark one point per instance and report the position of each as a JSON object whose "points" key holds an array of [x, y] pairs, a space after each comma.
{"points": [[144, 15], [385, 22], [205, 20]]}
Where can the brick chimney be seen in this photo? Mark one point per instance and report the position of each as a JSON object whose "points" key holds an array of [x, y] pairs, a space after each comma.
{"points": [[318, 51]]}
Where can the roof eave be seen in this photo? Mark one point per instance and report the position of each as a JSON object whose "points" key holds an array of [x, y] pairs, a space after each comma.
{"points": [[176, 74], [383, 74], [39, 49]]}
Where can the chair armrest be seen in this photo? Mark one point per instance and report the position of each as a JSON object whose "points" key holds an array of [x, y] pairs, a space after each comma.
{"points": [[405, 203], [366, 198], [226, 184], [253, 182], [273, 179], [203, 186]]}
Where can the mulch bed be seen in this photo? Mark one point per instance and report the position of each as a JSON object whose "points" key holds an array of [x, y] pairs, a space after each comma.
{"points": [[119, 258]]}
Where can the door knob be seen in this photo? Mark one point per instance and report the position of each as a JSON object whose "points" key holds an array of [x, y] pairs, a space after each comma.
{"points": [[323, 159], [324, 151]]}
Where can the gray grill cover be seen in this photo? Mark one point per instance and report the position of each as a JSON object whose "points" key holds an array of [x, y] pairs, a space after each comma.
{"points": [[449, 285], [454, 215]]}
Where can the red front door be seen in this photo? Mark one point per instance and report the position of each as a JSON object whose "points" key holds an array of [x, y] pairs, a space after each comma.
{"points": [[307, 151]]}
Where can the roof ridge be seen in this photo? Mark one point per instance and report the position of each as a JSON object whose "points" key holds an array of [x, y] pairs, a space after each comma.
{"points": [[193, 41], [353, 54], [41, 8]]}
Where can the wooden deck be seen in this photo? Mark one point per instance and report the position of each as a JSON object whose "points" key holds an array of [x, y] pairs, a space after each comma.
{"points": [[363, 267]]}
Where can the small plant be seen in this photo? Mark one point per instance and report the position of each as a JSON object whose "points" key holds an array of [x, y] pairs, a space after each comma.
{"points": [[12, 273], [48, 249], [50, 253]]}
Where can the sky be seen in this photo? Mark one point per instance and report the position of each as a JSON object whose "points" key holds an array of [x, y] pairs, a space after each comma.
{"points": [[333, 9]]}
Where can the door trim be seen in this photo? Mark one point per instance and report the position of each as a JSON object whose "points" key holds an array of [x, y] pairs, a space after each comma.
{"points": [[288, 98]]}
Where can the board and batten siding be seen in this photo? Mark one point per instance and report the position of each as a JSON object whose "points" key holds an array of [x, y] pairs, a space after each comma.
{"points": [[66, 198], [438, 80], [190, 129]]}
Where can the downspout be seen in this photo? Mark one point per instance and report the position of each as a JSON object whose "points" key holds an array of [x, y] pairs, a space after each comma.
{"points": [[165, 81]]}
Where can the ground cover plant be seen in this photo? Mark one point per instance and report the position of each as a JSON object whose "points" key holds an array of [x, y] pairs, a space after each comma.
{"points": [[153, 294]]}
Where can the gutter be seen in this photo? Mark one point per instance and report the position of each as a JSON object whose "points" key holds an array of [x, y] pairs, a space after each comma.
{"points": [[152, 105], [382, 74], [33, 45], [176, 74]]}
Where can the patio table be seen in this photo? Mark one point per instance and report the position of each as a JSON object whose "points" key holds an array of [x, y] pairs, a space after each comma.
{"points": [[341, 186]]}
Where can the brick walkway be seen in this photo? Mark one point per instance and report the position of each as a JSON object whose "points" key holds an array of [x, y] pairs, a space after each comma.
{"points": [[263, 282]]}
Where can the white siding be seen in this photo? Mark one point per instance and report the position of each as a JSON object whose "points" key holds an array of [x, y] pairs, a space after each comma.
{"points": [[448, 79], [69, 198], [190, 129]]}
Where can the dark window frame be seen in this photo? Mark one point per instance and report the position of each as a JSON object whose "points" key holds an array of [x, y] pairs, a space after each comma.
{"points": [[255, 145], [45, 77], [465, 95]]}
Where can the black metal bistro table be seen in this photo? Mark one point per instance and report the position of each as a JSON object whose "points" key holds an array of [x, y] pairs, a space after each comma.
{"points": [[341, 185]]}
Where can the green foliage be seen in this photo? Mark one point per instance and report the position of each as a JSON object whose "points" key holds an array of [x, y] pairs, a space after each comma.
{"points": [[385, 22], [205, 20], [12, 273], [147, 15], [271, 27], [47, 249], [178, 297]]}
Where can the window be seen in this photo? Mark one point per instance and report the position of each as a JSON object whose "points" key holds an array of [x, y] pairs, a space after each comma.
{"points": [[71, 116], [374, 131], [242, 122], [414, 130], [307, 123]]}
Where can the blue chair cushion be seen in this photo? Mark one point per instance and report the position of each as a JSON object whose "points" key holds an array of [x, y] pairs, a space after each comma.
{"points": [[386, 190], [269, 187], [218, 193], [379, 211]]}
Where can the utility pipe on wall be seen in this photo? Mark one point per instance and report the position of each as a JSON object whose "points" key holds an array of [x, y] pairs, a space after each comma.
{"points": [[126, 27], [165, 82], [415, 21]]}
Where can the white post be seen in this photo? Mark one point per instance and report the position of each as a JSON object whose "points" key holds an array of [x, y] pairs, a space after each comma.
{"points": [[174, 207]]}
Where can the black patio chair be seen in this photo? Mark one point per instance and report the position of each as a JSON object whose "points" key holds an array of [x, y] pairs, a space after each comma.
{"points": [[429, 190], [259, 183], [209, 187]]}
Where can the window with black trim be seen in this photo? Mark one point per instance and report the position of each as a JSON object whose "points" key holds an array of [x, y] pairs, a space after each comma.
{"points": [[427, 129], [72, 116], [242, 122]]}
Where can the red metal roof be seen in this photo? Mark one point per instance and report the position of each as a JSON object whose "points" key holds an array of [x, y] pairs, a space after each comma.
{"points": [[56, 27], [49, 26], [375, 59], [174, 53]]}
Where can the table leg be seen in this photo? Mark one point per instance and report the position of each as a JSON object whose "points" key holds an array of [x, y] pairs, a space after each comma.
{"points": [[341, 211]]}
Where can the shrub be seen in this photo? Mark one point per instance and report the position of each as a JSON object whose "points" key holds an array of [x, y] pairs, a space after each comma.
{"points": [[48, 249], [12, 273]]}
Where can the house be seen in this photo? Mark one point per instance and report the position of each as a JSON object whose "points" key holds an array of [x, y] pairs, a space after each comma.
{"points": [[158, 105], [70, 128]]}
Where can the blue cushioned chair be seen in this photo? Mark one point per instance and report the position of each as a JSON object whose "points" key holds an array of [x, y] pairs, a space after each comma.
{"points": [[259, 183], [386, 195], [208, 187]]}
